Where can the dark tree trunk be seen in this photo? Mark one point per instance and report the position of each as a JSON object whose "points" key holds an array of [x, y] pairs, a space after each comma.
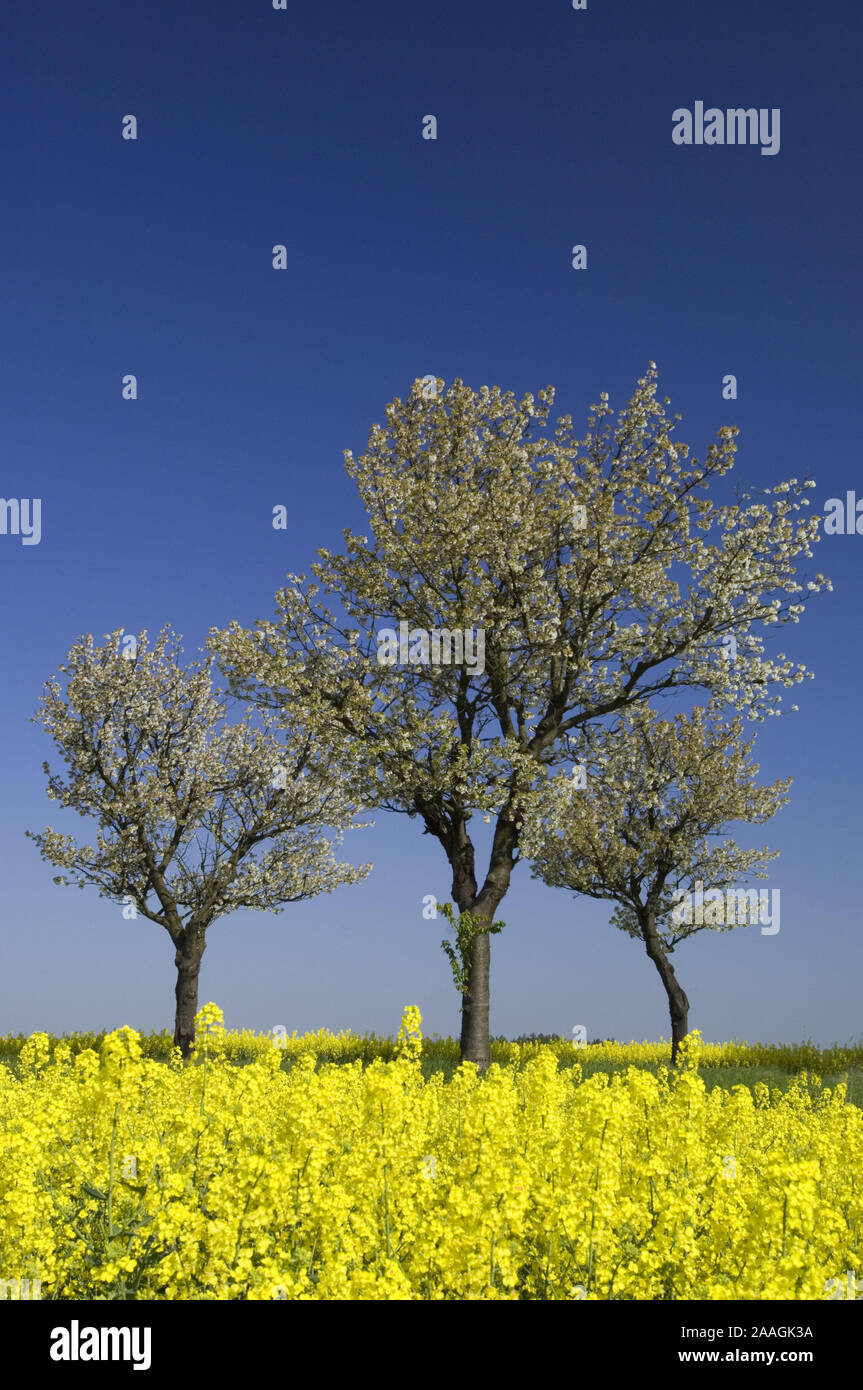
{"points": [[475, 1043], [187, 959], [678, 1004], [483, 903]]}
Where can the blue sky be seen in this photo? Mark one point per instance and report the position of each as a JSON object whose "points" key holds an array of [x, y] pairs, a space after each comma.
{"points": [[410, 256]]}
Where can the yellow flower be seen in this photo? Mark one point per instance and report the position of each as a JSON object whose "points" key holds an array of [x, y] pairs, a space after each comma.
{"points": [[541, 1178]]}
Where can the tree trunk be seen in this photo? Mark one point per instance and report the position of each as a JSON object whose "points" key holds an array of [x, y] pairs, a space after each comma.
{"points": [[188, 962], [475, 1044], [678, 1004]]}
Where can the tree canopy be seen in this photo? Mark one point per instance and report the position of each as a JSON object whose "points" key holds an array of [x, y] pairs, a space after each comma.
{"points": [[198, 814]]}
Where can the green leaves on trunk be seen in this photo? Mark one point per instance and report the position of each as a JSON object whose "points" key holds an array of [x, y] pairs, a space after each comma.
{"points": [[467, 928]]}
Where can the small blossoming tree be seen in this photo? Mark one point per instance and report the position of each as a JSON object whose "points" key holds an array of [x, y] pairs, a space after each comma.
{"points": [[639, 832], [198, 816]]}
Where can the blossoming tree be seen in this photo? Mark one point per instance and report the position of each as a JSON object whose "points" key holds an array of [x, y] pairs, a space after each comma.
{"points": [[198, 816], [597, 570], [639, 831]]}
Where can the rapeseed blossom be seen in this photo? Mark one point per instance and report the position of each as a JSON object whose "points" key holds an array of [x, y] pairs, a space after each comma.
{"points": [[124, 1177]]}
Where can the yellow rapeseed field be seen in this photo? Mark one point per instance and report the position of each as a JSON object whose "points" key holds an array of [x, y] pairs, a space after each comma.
{"points": [[124, 1177]]}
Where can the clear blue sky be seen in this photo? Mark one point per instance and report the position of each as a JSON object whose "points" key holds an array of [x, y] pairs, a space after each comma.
{"points": [[408, 256]]}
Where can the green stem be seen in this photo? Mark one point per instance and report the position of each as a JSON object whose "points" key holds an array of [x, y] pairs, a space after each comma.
{"points": [[111, 1172], [784, 1221]]}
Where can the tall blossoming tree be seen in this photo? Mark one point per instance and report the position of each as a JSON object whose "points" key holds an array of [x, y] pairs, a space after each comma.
{"points": [[638, 831], [599, 572], [198, 815]]}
